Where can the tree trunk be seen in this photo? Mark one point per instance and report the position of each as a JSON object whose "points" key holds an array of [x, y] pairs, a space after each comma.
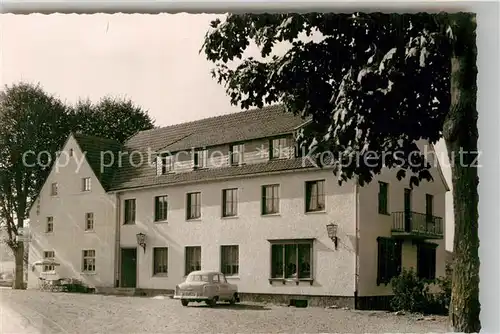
{"points": [[460, 134], [19, 271]]}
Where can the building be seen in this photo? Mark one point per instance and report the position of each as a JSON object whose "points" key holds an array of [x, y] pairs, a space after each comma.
{"points": [[232, 196]]}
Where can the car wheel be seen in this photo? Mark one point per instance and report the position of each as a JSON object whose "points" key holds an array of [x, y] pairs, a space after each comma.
{"points": [[184, 302], [211, 302], [232, 301]]}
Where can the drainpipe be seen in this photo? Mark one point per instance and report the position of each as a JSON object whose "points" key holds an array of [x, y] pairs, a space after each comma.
{"points": [[117, 241], [356, 243]]}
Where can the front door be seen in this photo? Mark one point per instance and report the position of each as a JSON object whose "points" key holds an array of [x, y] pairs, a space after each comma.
{"points": [[407, 210], [128, 267]]}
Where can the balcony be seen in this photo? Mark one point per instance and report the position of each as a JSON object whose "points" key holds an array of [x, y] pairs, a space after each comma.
{"points": [[413, 225]]}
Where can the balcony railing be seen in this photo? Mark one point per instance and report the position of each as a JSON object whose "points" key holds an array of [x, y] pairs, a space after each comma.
{"points": [[417, 225]]}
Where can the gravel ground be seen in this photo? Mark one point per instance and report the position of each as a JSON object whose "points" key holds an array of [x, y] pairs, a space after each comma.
{"points": [[80, 313]]}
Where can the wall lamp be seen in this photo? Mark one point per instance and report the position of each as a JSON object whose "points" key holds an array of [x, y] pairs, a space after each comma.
{"points": [[331, 229], [141, 240]]}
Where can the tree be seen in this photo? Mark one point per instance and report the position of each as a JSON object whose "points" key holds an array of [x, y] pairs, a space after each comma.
{"points": [[32, 120], [112, 118], [371, 83]]}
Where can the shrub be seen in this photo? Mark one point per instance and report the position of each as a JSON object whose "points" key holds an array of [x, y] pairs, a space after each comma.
{"points": [[411, 293], [443, 298]]}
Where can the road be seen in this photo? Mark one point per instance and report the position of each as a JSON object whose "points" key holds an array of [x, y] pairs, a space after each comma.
{"points": [[26, 312]]}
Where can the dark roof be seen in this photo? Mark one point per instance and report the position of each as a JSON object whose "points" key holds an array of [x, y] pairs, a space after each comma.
{"points": [[93, 147], [231, 128]]}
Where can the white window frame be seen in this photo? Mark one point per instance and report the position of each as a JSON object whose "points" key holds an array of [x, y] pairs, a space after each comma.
{"points": [[230, 207], [274, 199], [88, 260], [230, 256], [89, 221], [238, 151], [165, 164], [49, 222], [86, 184], [190, 253], [164, 257], [51, 256], [53, 189], [132, 211], [296, 243], [193, 207], [160, 208], [279, 148], [315, 195], [200, 159]]}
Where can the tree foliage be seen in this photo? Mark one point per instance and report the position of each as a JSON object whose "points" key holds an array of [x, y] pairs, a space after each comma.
{"points": [[374, 85], [111, 117], [367, 75]]}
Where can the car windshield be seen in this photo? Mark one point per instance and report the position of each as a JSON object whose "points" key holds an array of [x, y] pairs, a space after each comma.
{"points": [[197, 278]]}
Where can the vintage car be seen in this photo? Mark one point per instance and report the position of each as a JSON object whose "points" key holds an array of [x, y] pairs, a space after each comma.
{"points": [[207, 286]]}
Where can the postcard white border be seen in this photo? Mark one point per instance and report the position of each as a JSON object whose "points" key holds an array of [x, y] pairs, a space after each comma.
{"points": [[488, 93]]}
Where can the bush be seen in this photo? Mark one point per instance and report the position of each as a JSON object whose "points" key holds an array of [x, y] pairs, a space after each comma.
{"points": [[412, 294], [443, 298]]}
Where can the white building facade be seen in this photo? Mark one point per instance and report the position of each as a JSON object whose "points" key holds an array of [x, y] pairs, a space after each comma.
{"points": [[232, 195]]}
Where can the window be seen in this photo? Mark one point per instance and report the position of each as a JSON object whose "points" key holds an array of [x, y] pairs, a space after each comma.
{"points": [[160, 261], [229, 202], [161, 208], [426, 260], [236, 155], [300, 149], [278, 148], [382, 198], [193, 259], [88, 261], [50, 225], [70, 152], [49, 256], [89, 221], [291, 259], [86, 184], [193, 208], [315, 196], [229, 261], [164, 164], [429, 207], [53, 189], [129, 211], [389, 259], [270, 199], [200, 159]]}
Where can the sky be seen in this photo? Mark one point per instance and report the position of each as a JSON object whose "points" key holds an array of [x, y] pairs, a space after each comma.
{"points": [[152, 59]]}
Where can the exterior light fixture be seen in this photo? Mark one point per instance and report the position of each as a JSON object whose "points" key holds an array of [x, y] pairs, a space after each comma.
{"points": [[331, 229], [141, 240]]}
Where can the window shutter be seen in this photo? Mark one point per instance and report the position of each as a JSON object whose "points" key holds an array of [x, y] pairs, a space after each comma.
{"points": [[263, 200]]}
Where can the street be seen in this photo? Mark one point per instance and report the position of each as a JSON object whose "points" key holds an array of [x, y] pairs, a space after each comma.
{"points": [[44, 312]]}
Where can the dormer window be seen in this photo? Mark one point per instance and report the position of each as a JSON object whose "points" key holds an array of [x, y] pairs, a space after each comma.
{"points": [[70, 152], [164, 164], [278, 148], [236, 154], [200, 159]]}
